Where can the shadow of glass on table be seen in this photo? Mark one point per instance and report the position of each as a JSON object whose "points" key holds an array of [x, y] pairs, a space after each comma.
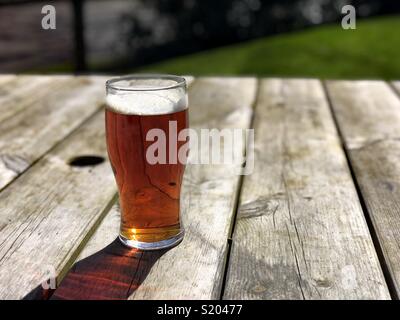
{"points": [[114, 272]]}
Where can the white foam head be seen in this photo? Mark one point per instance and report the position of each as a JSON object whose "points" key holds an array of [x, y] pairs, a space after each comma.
{"points": [[146, 96]]}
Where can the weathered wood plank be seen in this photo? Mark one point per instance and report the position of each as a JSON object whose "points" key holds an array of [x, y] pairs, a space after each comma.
{"points": [[49, 212], [300, 230], [194, 269], [368, 114], [396, 85], [30, 133], [105, 234], [23, 91], [5, 78]]}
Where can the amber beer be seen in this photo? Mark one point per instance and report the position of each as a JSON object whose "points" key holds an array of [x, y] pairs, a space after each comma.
{"points": [[149, 193]]}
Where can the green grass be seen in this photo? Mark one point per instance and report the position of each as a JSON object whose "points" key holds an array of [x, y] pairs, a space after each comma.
{"points": [[370, 51]]}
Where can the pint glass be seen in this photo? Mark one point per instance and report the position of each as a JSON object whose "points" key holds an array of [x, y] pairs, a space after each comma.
{"points": [[145, 115]]}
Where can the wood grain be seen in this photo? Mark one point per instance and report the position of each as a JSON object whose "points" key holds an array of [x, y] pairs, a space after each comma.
{"points": [[193, 269], [51, 210], [300, 230], [368, 114], [23, 91], [42, 123]]}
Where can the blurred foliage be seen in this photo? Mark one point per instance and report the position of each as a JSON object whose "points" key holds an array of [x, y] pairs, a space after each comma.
{"points": [[370, 51], [173, 27]]}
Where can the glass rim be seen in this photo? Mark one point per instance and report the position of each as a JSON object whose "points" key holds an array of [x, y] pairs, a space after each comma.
{"points": [[180, 82]]}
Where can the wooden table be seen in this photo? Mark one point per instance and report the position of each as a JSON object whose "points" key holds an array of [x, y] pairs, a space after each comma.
{"points": [[318, 219]]}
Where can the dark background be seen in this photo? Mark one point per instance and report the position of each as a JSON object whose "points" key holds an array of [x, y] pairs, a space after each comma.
{"points": [[121, 35]]}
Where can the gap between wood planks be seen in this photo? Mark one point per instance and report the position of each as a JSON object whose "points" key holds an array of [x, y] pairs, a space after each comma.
{"points": [[388, 277], [91, 231], [395, 86], [237, 200]]}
